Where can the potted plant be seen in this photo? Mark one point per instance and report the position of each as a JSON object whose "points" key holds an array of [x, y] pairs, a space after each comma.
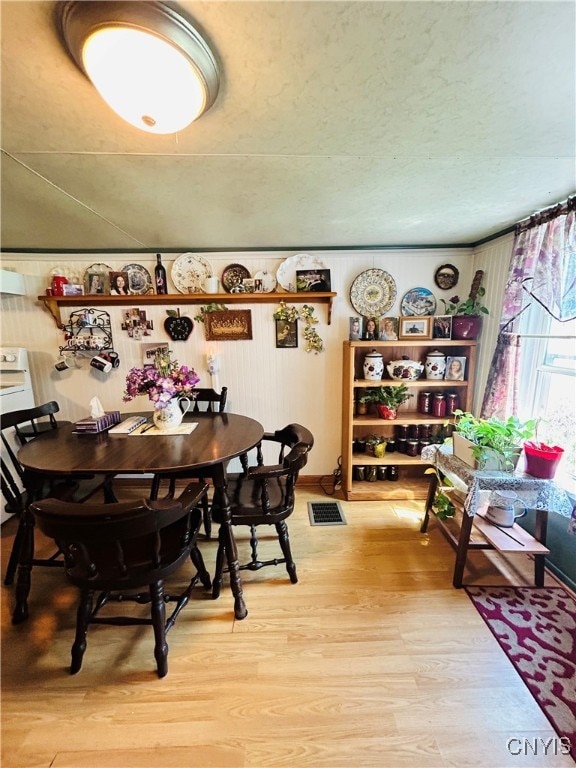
{"points": [[490, 443], [467, 314], [388, 399]]}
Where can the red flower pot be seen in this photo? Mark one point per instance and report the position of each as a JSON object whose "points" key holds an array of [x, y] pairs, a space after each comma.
{"points": [[542, 460], [466, 327], [385, 412]]}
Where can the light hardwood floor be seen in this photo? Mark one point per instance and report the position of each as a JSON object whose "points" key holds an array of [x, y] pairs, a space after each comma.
{"points": [[372, 659]]}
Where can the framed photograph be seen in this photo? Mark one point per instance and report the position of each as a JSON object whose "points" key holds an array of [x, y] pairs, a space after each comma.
{"points": [[228, 325], [286, 333], [119, 285], [355, 328], [446, 276], [370, 330], [313, 280], [388, 329], [149, 353], [73, 289], [96, 281], [442, 327], [455, 368], [415, 328]]}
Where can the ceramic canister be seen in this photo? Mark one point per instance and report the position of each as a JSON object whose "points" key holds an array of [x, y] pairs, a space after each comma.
{"points": [[435, 365], [373, 366]]}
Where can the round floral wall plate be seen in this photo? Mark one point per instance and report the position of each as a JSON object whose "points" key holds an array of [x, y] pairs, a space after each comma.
{"points": [[233, 276], [286, 274], [373, 292], [189, 271], [139, 279], [418, 301], [267, 280]]}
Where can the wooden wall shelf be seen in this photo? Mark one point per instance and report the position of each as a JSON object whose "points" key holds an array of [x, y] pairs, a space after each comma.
{"points": [[53, 303]]}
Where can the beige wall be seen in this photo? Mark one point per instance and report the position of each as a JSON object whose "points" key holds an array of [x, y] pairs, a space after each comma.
{"points": [[272, 385]]}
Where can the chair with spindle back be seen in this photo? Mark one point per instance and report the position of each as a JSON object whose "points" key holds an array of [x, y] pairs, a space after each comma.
{"points": [[209, 401], [17, 428], [264, 495], [118, 549]]}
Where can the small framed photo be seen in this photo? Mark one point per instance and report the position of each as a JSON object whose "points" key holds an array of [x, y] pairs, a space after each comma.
{"points": [[355, 332], [286, 334], [73, 289], [313, 280], [415, 327], [370, 331], [96, 280], [442, 327], [388, 329], [119, 285], [455, 368]]}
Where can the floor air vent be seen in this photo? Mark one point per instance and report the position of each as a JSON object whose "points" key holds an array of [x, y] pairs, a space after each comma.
{"points": [[326, 513]]}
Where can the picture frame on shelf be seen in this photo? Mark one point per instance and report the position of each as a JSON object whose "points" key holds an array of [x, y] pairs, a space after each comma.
{"points": [[415, 327], [388, 329], [286, 334], [119, 284], [355, 328], [442, 327], [313, 280], [455, 368], [370, 329], [73, 289]]}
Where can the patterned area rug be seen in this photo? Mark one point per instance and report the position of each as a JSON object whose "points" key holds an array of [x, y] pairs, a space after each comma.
{"points": [[536, 628]]}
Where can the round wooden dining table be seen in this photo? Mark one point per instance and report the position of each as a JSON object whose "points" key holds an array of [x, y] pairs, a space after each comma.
{"points": [[216, 439]]}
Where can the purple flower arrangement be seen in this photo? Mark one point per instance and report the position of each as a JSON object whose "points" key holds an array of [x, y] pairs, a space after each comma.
{"points": [[162, 382]]}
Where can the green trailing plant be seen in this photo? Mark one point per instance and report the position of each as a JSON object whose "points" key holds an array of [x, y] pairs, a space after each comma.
{"points": [[392, 396], [494, 438], [214, 307], [442, 503]]}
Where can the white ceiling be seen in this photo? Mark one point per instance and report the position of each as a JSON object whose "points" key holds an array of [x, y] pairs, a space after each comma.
{"points": [[337, 124]]}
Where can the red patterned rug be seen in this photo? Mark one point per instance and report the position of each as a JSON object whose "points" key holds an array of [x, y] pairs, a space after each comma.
{"points": [[536, 628]]}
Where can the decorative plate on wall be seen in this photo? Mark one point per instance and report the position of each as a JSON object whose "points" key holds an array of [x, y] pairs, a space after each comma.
{"points": [[286, 274], [373, 292], [139, 279], [233, 276], [418, 301], [189, 271]]}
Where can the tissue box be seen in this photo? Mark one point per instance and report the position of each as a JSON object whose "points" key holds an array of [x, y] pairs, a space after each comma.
{"points": [[99, 424]]}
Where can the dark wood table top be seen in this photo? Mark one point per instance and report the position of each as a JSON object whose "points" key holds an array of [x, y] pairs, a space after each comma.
{"points": [[218, 438]]}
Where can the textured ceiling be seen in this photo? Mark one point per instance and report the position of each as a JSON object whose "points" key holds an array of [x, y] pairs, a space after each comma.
{"points": [[337, 124]]}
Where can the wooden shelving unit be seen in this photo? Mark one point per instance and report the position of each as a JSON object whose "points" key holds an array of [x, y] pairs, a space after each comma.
{"points": [[412, 483], [53, 303]]}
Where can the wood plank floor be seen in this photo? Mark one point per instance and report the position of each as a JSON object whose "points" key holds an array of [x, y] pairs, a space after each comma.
{"points": [[372, 659]]}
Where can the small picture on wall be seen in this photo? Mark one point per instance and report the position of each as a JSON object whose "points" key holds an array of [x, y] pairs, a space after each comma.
{"points": [[149, 353], [415, 327], [388, 329], [370, 332], [455, 368], [286, 333], [355, 333], [313, 280], [119, 284], [442, 327]]}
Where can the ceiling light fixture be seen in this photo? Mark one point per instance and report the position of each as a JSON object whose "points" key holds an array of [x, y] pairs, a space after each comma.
{"points": [[145, 58]]}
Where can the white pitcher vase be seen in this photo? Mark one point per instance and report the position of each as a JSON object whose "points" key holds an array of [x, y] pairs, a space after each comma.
{"points": [[171, 416]]}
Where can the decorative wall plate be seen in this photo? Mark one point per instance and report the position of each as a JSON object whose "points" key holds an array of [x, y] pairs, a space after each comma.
{"points": [[418, 301], [373, 292], [446, 276], [97, 279], [267, 280], [139, 279], [189, 271], [233, 275], [286, 274]]}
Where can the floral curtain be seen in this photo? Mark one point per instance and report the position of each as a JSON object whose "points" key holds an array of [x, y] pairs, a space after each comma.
{"points": [[542, 268]]}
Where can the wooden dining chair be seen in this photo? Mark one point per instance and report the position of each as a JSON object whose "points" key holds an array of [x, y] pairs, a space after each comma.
{"points": [[17, 428], [209, 401], [263, 494], [118, 549]]}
